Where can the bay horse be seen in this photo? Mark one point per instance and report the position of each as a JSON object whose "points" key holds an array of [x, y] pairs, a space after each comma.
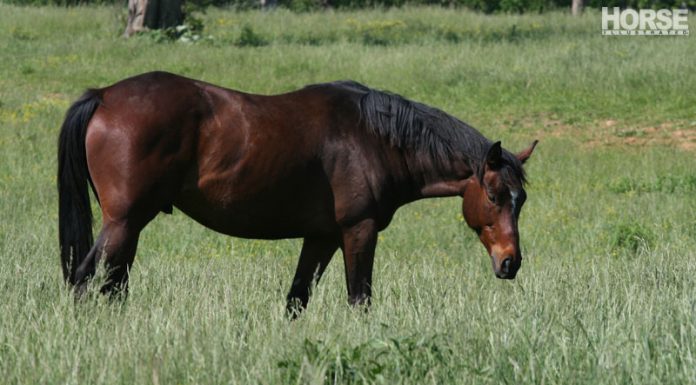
{"points": [[330, 163]]}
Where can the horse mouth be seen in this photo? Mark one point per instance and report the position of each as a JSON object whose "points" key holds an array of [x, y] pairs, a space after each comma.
{"points": [[509, 275]]}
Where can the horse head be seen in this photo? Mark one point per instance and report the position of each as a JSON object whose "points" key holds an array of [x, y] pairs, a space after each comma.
{"points": [[493, 199]]}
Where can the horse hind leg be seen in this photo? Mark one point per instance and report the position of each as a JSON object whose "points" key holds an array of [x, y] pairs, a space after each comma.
{"points": [[124, 215], [132, 192], [115, 247]]}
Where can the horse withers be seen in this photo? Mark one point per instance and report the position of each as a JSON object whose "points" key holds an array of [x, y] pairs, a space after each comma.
{"points": [[329, 163]]}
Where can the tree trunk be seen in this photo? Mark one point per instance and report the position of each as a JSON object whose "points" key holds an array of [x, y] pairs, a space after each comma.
{"points": [[153, 14], [576, 8]]}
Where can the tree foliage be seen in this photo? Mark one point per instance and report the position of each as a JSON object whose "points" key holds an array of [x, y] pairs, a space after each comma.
{"points": [[485, 6]]}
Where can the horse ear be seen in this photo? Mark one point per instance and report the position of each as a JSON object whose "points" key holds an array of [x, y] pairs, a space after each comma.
{"points": [[525, 154], [494, 156], [493, 160]]}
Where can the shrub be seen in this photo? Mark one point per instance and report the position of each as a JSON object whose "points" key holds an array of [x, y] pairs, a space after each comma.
{"points": [[249, 38], [631, 237], [377, 360]]}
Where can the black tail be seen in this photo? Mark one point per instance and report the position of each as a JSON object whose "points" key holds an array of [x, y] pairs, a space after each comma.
{"points": [[74, 211]]}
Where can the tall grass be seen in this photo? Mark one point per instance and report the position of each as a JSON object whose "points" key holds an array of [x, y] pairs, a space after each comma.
{"points": [[606, 293]]}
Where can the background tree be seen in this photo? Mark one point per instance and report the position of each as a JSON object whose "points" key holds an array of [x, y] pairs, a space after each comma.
{"points": [[153, 14]]}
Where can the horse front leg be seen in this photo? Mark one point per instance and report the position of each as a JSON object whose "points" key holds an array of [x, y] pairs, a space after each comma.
{"points": [[315, 256], [359, 242]]}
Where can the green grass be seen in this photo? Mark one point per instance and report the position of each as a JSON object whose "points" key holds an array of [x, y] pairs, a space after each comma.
{"points": [[607, 291]]}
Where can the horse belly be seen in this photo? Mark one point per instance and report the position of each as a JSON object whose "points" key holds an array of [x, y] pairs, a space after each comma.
{"points": [[281, 211]]}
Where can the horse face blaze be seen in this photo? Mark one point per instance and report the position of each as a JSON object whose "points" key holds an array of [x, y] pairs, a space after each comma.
{"points": [[491, 210]]}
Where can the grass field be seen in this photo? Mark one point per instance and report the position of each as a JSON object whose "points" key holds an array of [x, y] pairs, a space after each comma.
{"points": [[607, 291]]}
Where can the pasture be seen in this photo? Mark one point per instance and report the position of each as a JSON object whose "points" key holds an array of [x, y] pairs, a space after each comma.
{"points": [[607, 290]]}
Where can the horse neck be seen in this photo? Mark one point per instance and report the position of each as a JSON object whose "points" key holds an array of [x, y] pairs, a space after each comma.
{"points": [[420, 176]]}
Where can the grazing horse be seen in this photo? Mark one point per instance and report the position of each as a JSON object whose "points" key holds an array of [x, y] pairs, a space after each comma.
{"points": [[329, 163]]}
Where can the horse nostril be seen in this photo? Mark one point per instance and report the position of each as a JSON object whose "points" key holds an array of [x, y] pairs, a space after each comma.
{"points": [[505, 266]]}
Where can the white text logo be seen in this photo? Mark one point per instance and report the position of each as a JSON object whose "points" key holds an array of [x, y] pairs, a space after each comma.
{"points": [[667, 22]]}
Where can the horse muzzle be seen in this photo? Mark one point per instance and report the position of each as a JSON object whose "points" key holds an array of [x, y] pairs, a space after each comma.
{"points": [[507, 268]]}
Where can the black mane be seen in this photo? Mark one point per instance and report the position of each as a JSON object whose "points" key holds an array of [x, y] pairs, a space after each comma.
{"points": [[415, 126]]}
